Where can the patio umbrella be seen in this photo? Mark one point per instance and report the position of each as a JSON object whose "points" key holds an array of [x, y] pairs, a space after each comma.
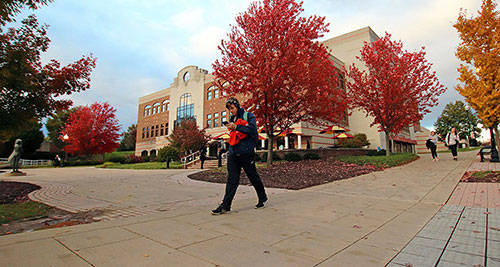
{"points": [[333, 129], [222, 136], [342, 136]]}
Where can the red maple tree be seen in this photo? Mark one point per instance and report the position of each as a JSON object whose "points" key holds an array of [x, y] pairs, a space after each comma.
{"points": [[272, 58], [92, 130], [187, 137], [397, 88]]}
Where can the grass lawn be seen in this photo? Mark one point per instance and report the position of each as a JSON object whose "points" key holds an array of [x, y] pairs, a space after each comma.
{"points": [[380, 161], [141, 166], [485, 174], [19, 211], [121, 153]]}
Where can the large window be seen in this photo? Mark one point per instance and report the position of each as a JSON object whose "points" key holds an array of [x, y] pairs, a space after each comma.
{"points": [[186, 107], [147, 109], [156, 108], [165, 105], [223, 115], [216, 93], [216, 123], [209, 96]]}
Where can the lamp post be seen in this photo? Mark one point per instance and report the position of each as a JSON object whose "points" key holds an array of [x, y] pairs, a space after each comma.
{"points": [[65, 138], [494, 151]]}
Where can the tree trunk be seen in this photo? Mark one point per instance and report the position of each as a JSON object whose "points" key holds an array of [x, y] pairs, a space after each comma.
{"points": [[497, 138], [387, 144], [270, 144]]}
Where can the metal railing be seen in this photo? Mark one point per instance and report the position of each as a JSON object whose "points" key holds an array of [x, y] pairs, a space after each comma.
{"points": [[29, 162], [191, 158]]}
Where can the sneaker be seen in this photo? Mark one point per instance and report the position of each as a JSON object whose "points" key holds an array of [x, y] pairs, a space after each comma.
{"points": [[261, 203], [220, 210]]}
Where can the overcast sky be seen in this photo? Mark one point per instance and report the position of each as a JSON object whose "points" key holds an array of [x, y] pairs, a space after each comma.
{"points": [[141, 45]]}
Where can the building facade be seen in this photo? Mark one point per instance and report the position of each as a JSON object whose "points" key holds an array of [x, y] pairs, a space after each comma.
{"points": [[193, 94]]}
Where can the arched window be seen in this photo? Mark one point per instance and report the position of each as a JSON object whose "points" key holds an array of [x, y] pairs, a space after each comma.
{"points": [[147, 110], [165, 105], [144, 153], [156, 108], [186, 107]]}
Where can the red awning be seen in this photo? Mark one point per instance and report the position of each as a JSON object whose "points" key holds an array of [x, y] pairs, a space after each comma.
{"points": [[404, 140]]}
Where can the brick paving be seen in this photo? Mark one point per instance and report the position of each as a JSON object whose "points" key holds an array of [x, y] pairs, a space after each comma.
{"points": [[465, 231]]}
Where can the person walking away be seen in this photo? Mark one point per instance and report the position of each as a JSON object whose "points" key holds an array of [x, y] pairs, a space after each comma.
{"points": [[452, 142], [432, 140], [222, 150], [203, 155], [241, 155]]}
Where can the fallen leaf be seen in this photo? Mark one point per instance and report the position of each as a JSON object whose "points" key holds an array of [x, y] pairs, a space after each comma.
{"points": [[356, 226], [145, 255], [477, 232], [267, 252]]}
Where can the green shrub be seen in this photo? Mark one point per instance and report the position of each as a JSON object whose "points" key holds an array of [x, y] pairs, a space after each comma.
{"points": [[114, 157], [170, 151], [359, 140], [311, 156], [146, 158], [276, 157], [293, 157], [107, 164], [83, 162]]}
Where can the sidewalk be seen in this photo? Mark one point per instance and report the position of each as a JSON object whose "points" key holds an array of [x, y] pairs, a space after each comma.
{"points": [[362, 221]]}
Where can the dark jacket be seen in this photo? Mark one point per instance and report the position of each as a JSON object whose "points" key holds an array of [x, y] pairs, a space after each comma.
{"points": [[246, 145]]}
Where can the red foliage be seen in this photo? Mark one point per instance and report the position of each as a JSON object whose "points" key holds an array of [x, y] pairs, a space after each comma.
{"points": [[271, 56], [397, 89], [187, 137], [92, 130]]}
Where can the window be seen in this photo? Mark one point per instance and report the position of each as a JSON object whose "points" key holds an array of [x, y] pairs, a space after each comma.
{"points": [[161, 130], [168, 106], [216, 93], [156, 108], [165, 105], [147, 110], [224, 116], [209, 97], [156, 130], [143, 132], [166, 128], [216, 123], [147, 132], [209, 116], [186, 76], [224, 92], [186, 107], [216, 115], [152, 131], [209, 123]]}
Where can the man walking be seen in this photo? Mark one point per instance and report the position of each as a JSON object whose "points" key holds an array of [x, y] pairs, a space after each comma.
{"points": [[241, 155]]}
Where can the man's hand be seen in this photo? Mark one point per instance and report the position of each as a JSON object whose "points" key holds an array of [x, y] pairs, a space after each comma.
{"points": [[231, 126]]}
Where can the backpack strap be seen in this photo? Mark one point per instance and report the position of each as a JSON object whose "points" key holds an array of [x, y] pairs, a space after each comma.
{"points": [[245, 116]]}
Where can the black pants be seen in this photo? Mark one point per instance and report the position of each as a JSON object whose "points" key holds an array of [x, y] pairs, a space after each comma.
{"points": [[202, 161], [453, 150], [433, 151], [234, 165]]}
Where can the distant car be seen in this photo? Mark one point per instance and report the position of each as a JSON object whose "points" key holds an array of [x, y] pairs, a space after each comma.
{"points": [[485, 150]]}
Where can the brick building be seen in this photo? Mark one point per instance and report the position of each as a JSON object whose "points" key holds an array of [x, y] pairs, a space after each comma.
{"points": [[193, 94]]}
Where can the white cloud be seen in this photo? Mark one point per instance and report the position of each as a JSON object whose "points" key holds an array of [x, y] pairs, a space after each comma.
{"points": [[204, 43], [189, 19]]}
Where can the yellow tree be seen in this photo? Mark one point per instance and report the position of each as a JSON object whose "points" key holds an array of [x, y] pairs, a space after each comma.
{"points": [[479, 50]]}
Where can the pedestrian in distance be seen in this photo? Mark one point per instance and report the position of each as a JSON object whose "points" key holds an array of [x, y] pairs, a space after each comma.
{"points": [[452, 142], [203, 154], [432, 145], [222, 150], [241, 154]]}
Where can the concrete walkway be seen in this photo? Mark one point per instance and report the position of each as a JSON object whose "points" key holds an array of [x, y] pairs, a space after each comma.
{"points": [[465, 232], [362, 221]]}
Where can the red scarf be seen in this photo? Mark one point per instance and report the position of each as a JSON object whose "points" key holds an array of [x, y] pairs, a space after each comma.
{"points": [[234, 136]]}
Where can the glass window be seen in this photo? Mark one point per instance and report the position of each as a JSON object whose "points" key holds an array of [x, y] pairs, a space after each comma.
{"points": [[161, 130], [209, 116], [162, 108], [209, 123], [216, 115], [186, 107], [216, 123], [216, 93], [166, 128], [224, 116], [156, 130], [152, 131], [224, 92], [147, 132], [209, 97], [143, 132], [186, 76]]}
